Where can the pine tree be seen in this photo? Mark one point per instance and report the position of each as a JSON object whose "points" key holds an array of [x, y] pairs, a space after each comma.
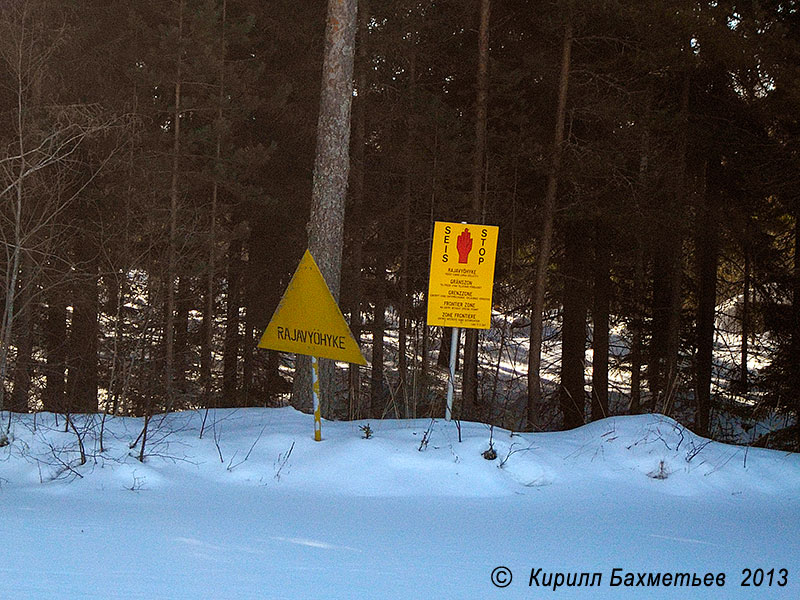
{"points": [[331, 170]]}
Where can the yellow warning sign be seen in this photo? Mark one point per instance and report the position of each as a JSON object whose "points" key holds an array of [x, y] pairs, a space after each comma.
{"points": [[308, 320], [462, 275]]}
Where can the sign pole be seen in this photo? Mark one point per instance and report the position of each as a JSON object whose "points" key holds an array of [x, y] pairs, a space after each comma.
{"points": [[448, 413], [308, 321], [460, 284], [315, 394]]}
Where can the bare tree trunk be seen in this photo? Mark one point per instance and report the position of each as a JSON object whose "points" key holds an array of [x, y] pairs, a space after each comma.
{"points": [[660, 315], [426, 338], [637, 320], [210, 289], [273, 377], [573, 333], [331, 168], [402, 333], [470, 377], [230, 358], [23, 367], [665, 340], [637, 331], [207, 330], [56, 349], [402, 312], [359, 403], [172, 268], [794, 368], [82, 381], [182, 306], [423, 368], [31, 38], [546, 240], [600, 318], [13, 261], [743, 377], [116, 283], [674, 323], [248, 354], [11, 286], [667, 280], [378, 393], [706, 251]]}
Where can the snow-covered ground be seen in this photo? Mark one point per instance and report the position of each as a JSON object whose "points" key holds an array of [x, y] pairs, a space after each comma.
{"points": [[257, 509]]}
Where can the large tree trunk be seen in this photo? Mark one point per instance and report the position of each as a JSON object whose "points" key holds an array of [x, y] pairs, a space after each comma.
{"points": [[470, 381], [665, 340], [82, 373], [331, 168], [545, 241], [573, 333], [666, 322], [667, 278], [706, 250], [600, 318], [359, 403]]}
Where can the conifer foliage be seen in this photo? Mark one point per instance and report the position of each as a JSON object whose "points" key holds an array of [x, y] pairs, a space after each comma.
{"points": [[158, 186]]}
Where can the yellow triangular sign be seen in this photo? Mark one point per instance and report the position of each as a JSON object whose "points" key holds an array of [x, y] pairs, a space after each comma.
{"points": [[308, 320]]}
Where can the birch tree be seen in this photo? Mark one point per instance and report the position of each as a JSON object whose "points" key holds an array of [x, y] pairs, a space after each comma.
{"points": [[46, 134]]}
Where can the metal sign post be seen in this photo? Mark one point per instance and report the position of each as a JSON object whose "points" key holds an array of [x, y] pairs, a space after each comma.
{"points": [[315, 394], [460, 284], [451, 382]]}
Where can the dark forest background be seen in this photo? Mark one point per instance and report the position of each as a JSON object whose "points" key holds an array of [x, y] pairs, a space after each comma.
{"points": [[155, 178]]}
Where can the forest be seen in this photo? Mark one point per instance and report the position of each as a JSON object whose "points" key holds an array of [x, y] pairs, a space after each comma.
{"points": [[640, 158]]}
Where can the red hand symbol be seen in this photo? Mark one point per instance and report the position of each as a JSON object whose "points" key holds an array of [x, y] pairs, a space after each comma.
{"points": [[464, 246]]}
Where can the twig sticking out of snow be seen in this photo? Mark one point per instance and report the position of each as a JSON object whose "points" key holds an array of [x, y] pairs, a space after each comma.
{"points": [[426, 437], [281, 462]]}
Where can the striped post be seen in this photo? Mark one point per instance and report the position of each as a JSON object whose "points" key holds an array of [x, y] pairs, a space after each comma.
{"points": [[315, 394]]}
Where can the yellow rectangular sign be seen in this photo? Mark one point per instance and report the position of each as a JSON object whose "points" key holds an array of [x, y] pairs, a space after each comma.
{"points": [[462, 275]]}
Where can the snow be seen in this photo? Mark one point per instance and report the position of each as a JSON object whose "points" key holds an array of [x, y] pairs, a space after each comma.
{"points": [[257, 509]]}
